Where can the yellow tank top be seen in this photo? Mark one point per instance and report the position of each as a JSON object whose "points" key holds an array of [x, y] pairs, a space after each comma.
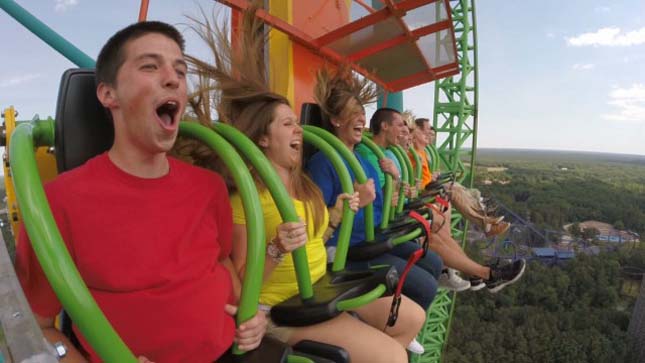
{"points": [[282, 284]]}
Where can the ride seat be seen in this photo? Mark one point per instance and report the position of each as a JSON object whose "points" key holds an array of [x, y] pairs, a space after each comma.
{"points": [[83, 127], [332, 288]]}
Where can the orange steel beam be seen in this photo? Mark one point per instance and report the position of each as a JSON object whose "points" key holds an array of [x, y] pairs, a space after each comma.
{"points": [[423, 76], [366, 52], [413, 4], [352, 27], [143, 10], [303, 39]]}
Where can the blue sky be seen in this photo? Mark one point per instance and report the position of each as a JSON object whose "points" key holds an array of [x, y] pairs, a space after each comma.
{"points": [[566, 75]]}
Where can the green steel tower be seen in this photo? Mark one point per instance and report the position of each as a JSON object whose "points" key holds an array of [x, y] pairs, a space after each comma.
{"points": [[455, 120]]}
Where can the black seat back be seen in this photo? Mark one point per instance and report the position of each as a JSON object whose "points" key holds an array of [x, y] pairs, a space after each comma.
{"points": [[83, 128], [311, 114]]}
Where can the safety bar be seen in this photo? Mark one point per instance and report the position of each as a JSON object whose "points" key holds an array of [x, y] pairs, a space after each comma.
{"points": [[387, 188], [256, 247], [279, 193], [347, 223], [50, 248], [356, 168]]}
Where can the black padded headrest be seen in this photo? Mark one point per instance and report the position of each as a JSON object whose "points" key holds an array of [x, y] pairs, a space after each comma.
{"points": [[311, 114], [83, 128]]}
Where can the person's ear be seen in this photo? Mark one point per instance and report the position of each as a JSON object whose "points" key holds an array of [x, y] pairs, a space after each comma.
{"points": [[264, 141], [106, 95]]}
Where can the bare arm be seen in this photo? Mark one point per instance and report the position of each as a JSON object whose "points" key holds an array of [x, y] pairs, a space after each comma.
{"points": [[366, 192], [54, 336], [235, 278], [336, 212], [388, 166], [238, 254]]}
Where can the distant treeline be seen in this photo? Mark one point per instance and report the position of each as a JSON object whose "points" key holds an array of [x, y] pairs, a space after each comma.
{"points": [[553, 191]]}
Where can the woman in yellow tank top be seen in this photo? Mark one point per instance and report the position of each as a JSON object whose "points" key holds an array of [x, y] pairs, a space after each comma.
{"points": [[243, 99]]}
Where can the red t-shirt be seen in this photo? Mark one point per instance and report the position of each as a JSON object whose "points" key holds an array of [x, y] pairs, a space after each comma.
{"points": [[149, 251]]}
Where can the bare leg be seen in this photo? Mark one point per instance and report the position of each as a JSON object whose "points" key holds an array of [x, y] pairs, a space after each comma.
{"points": [[451, 253], [408, 325], [364, 343]]}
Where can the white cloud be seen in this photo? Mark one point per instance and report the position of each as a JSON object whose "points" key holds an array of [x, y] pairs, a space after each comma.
{"points": [[583, 67], [62, 5], [609, 36], [602, 9], [550, 35], [19, 80], [630, 103]]}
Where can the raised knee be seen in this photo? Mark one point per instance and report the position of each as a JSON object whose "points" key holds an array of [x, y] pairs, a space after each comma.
{"points": [[417, 316], [412, 313], [399, 355], [391, 353]]}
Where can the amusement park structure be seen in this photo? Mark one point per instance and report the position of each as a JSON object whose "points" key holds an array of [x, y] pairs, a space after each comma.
{"points": [[396, 44]]}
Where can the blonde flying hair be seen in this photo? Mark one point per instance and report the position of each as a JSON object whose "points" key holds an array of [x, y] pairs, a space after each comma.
{"points": [[408, 118], [236, 86]]}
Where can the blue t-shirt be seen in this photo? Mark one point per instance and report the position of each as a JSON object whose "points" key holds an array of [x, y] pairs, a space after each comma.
{"points": [[324, 175], [390, 154]]}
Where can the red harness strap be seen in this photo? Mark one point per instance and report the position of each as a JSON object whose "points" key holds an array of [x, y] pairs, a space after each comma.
{"points": [[426, 229], [444, 202], [396, 299]]}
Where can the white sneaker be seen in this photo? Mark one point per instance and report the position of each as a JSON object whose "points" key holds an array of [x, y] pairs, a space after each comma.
{"points": [[476, 283], [450, 280], [416, 347]]}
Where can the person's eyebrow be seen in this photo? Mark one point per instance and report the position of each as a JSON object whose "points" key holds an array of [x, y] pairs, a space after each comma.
{"points": [[288, 118], [181, 62], [158, 58], [154, 56]]}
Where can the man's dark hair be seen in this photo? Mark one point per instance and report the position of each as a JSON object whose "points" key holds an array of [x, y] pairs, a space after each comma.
{"points": [[384, 114], [112, 55], [420, 121]]}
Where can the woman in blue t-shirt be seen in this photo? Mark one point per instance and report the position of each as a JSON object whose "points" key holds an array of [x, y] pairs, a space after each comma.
{"points": [[341, 97]]}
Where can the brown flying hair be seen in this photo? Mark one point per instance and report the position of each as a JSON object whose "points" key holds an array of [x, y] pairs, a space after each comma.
{"points": [[235, 84], [341, 94]]}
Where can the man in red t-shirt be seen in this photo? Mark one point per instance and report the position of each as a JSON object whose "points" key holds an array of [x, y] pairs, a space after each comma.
{"points": [[150, 235]]}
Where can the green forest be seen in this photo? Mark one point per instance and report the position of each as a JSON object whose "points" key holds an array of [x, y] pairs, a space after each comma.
{"points": [[569, 314], [573, 312], [555, 188]]}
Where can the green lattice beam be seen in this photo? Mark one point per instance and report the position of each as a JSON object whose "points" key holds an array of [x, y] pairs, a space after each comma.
{"points": [[455, 119]]}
